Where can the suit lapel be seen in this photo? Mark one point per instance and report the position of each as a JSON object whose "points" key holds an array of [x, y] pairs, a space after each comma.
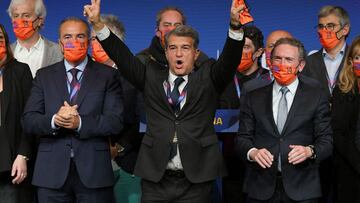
{"points": [[7, 89], [269, 108], [298, 100], [88, 80], [322, 72], [60, 79]]}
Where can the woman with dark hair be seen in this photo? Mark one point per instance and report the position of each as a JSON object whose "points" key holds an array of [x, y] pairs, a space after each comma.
{"points": [[345, 111], [15, 147]]}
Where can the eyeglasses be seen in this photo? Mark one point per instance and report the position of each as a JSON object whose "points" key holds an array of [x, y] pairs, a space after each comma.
{"points": [[328, 27]]}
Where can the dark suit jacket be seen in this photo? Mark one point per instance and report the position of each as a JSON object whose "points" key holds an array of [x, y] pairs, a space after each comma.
{"points": [[308, 123], [315, 68], [16, 89], [100, 109], [344, 122], [198, 143]]}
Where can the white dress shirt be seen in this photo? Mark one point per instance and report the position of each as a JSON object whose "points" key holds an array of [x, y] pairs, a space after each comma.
{"points": [[33, 56]]}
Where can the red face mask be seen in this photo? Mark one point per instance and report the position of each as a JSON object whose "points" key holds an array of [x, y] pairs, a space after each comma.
{"points": [[2, 50], [268, 58], [283, 74], [75, 51], [356, 66], [328, 39], [23, 29], [246, 62], [97, 52]]}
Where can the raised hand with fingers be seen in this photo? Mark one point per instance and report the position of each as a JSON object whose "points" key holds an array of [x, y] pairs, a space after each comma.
{"points": [[235, 15], [93, 14]]}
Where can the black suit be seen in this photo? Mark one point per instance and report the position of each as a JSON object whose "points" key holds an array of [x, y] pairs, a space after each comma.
{"points": [[315, 68], [100, 109], [344, 114], [308, 123], [198, 143], [16, 89]]}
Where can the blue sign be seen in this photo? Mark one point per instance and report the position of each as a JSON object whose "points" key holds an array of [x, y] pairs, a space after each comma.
{"points": [[225, 121]]}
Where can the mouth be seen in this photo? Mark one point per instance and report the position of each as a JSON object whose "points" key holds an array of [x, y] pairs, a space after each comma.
{"points": [[179, 63]]}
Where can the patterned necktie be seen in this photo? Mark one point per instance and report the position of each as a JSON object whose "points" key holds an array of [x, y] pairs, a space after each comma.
{"points": [[74, 85], [282, 115], [283, 110], [175, 94]]}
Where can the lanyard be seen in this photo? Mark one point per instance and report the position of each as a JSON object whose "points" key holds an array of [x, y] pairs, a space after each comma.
{"points": [[330, 84], [237, 85]]}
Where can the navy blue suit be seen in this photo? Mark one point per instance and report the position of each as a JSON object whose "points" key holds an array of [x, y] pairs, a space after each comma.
{"points": [[100, 109]]}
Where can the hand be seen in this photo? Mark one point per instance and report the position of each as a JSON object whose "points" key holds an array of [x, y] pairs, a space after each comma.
{"points": [[19, 170], [235, 13], [67, 117], [93, 14], [298, 154], [263, 157]]}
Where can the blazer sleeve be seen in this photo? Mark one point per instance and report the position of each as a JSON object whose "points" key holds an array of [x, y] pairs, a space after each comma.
{"points": [[26, 142], [130, 66], [110, 121], [244, 139], [223, 70], [35, 120], [322, 129]]}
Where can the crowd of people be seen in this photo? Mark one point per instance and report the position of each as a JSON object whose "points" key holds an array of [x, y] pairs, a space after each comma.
{"points": [[70, 112]]}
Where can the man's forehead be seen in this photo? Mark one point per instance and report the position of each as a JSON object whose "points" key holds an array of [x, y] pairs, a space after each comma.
{"points": [[171, 16], [286, 50], [331, 18]]}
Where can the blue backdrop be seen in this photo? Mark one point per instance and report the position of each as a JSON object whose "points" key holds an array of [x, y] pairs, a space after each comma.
{"points": [[209, 17]]}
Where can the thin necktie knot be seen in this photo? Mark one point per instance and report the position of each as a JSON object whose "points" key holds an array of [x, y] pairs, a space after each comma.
{"points": [[74, 72], [284, 90], [178, 82]]}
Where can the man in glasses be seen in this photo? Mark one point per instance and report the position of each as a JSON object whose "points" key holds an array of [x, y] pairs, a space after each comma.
{"points": [[325, 65], [333, 28]]}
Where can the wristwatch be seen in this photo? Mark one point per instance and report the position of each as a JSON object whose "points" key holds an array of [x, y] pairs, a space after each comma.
{"points": [[312, 149], [25, 157]]}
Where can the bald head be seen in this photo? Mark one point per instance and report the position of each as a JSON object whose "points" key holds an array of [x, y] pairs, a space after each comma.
{"points": [[275, 36]]}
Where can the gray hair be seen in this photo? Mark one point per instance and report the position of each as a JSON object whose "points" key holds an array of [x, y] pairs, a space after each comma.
{"points": [[76, 19], [40, 9], [292, 42], [337, 11], [184, 31], [114, 24]]}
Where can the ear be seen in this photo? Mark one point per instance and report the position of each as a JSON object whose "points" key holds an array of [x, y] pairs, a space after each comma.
{"points": [[197, 54], [41, 22], [158, 33], [301, 65], [346, 29], [61, 46], [258, 52]]}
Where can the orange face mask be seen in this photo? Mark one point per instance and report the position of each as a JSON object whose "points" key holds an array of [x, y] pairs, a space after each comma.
{"points": [[283, 74], [2, 50], [246, 62], [75, 51], [97, 52], [268, 58], [356, 66], [328, 39], [23, 29]]}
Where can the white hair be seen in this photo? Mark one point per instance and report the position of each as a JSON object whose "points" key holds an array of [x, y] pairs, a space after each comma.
{"points": [[40, 9]]}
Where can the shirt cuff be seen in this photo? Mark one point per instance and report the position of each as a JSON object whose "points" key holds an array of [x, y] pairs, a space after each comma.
{"points": [[103, 33], [236, 35], [80, 122], [248, 154], [53, 126]]}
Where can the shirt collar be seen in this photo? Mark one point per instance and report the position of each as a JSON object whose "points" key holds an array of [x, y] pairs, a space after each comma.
{"points": [[37, 46], [172, 78], [80, 67], [342, 51], [292, 86]]}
